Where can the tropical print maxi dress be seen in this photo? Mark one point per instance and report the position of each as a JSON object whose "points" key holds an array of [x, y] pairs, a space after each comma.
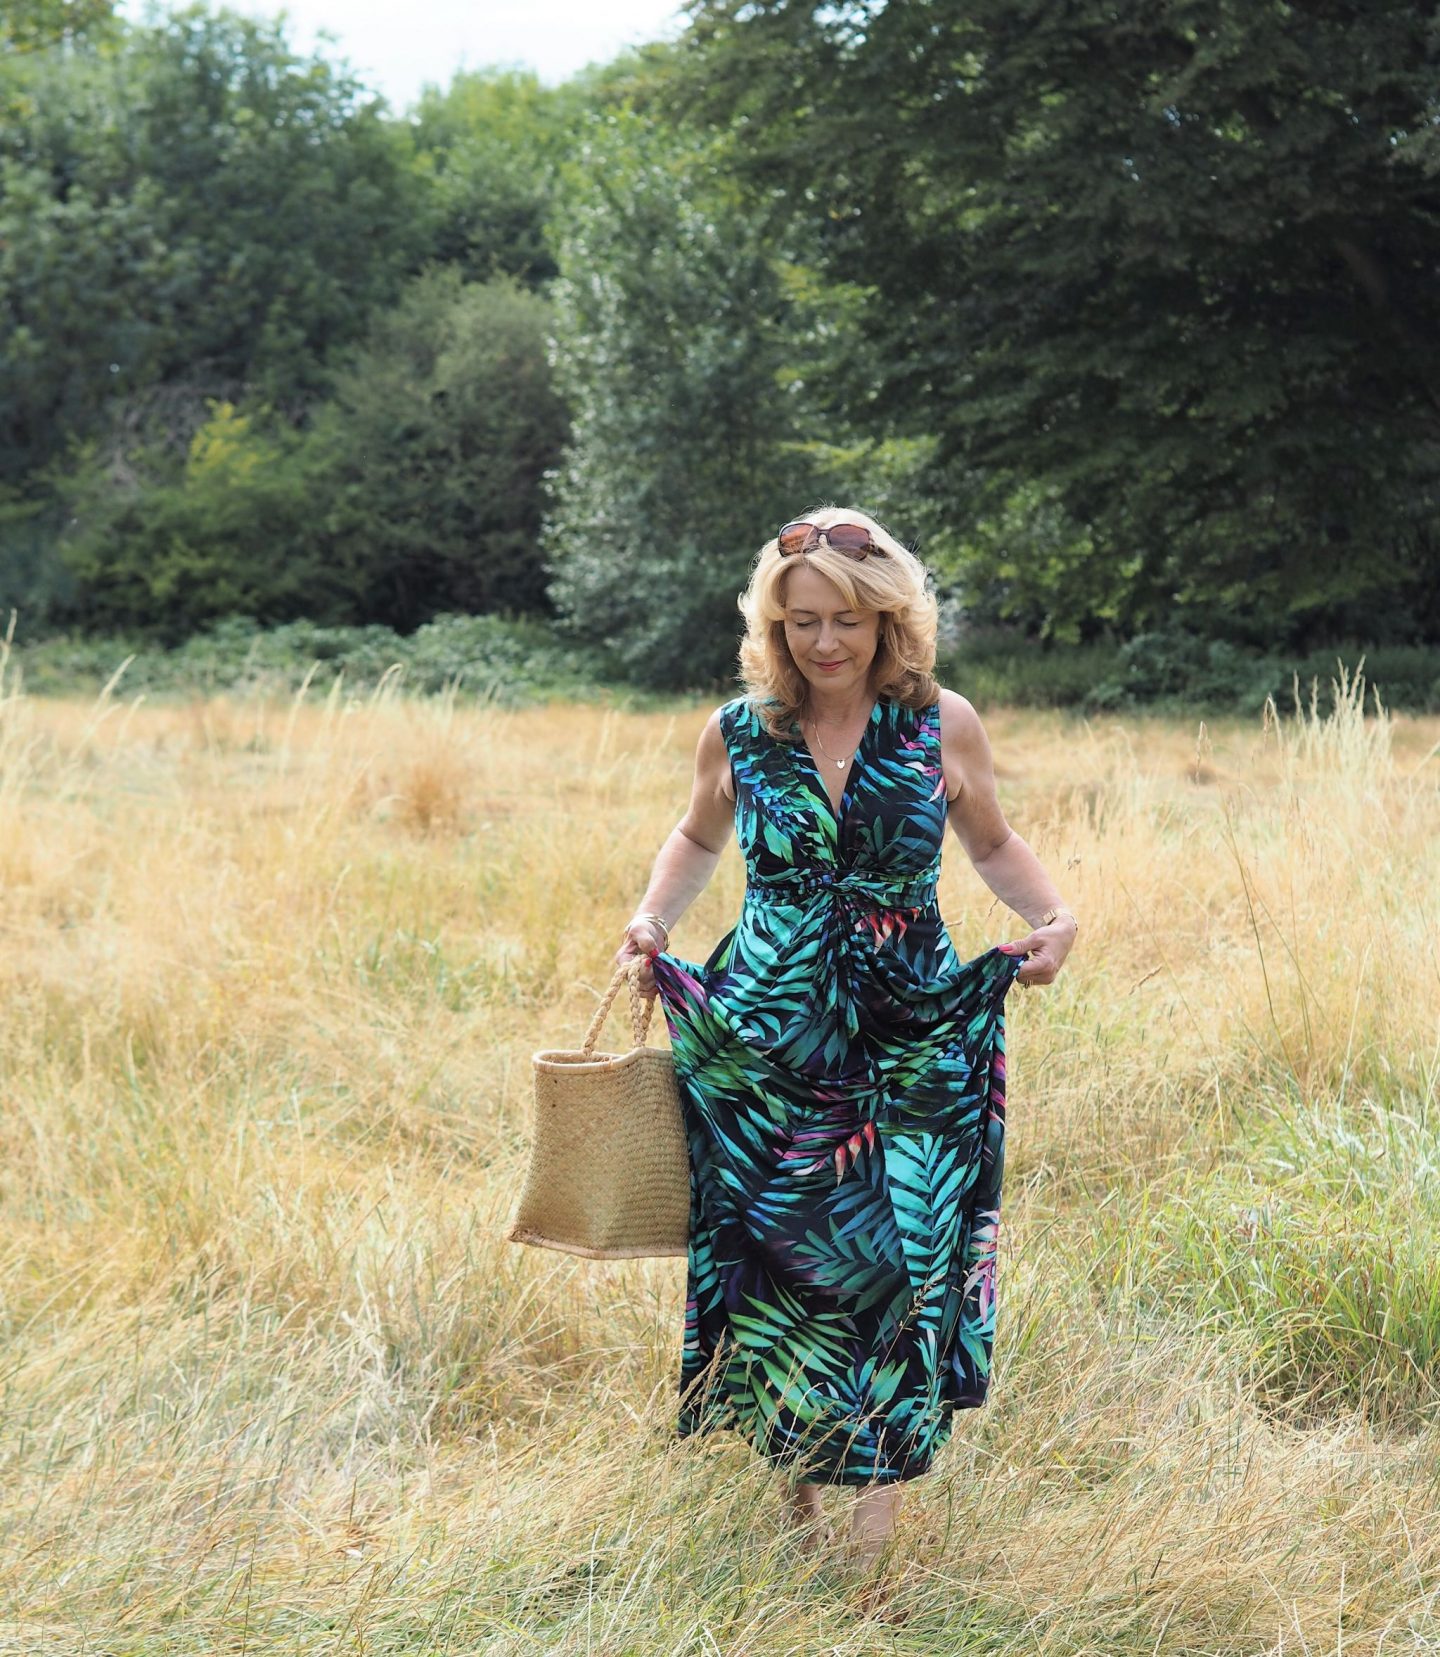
{"points": [[842, 1078]]}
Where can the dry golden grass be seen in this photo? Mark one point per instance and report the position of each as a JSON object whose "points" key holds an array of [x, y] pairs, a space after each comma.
{"points": [[273, 1381]]}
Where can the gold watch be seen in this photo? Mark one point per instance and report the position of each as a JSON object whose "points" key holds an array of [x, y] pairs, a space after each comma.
{"points": [[1059, 909]]}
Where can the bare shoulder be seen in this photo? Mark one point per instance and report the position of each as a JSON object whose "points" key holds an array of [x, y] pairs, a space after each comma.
{"points": [[958, 718], [710, 817], [712, 753], [974, 810], [964, 746]]}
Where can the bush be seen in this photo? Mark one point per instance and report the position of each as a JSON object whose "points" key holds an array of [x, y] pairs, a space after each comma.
{"points": [[1174, 672], [1153, 667], [503, 659], [1169, 670], [1405, 676], [1001, 667], [416, 492], [164, 551], [427, 464]]}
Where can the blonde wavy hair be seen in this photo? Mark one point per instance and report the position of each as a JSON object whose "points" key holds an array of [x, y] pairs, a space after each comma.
{"points": [[891, 581]]}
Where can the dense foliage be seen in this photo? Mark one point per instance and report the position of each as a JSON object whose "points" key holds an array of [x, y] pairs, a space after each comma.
{"points": [[685, 453], [198, 212], [1175, 265], [415, 489], [509, 662], [1129, 321]]}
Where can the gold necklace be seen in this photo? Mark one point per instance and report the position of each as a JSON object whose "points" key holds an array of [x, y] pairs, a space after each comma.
{"points": [[839, 764]]}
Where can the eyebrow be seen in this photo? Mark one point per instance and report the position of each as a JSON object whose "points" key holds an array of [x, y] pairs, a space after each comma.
{"points": [[848, 610]]}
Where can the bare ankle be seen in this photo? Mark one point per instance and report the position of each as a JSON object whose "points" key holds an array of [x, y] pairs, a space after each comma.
{"points": [[803, 1501]]}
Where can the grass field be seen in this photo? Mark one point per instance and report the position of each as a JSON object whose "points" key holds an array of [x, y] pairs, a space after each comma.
{"points": [[272, 1380]]}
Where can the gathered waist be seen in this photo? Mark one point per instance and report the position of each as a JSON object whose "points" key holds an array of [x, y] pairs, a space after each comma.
{"points": [[873, 891]]}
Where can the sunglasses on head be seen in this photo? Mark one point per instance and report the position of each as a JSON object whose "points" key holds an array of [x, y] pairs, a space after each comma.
{"points": [[854, 540]]}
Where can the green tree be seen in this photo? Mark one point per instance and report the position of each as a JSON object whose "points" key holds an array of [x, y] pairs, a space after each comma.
{"points": [[491, 144], [1173, 267], [198, 214], [162, 551], [427, 461], [29, 25], [688, 444], [416, 491]]}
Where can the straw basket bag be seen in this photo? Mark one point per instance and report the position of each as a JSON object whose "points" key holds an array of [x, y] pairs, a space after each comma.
{"points": [[609, 1169]]}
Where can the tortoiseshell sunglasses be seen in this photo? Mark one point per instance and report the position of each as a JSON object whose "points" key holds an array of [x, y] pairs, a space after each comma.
{"points": [[854, 540]]}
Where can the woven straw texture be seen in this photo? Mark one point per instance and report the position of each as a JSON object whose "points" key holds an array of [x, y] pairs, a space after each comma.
{"points": [[609, 1173]]}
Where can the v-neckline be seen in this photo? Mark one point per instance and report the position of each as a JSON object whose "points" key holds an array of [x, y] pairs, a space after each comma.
{"points": [[838, 814]]}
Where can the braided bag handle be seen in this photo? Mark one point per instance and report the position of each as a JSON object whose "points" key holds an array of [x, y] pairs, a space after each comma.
{"points": [[641, 1009]]}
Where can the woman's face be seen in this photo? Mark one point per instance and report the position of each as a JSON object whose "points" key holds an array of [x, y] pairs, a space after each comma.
{"points": [[832, 645]]}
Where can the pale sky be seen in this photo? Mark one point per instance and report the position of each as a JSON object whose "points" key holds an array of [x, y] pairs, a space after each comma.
{"points": [[398, 45]]}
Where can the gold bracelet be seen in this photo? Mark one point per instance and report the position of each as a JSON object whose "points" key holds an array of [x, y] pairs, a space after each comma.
{"points": [[1059, 909], [658, 920]]}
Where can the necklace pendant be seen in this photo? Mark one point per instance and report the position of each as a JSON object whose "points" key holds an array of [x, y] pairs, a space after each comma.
{"points": [[840, 763]]}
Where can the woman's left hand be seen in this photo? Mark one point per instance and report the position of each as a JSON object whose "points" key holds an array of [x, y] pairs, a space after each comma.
{"points": [[1046, 947]]}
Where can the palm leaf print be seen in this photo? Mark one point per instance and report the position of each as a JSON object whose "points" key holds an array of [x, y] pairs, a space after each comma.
{"points": [[842, 1077]]}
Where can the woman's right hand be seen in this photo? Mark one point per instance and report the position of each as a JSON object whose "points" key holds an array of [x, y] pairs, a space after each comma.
{"points": [[642, 939]]}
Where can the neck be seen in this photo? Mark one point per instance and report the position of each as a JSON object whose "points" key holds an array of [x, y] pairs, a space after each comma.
{"points": [[839, 707]]}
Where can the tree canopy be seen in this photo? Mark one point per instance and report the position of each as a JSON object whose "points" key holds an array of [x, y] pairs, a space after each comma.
{"points": [[1128, 318], [1176, 266]]}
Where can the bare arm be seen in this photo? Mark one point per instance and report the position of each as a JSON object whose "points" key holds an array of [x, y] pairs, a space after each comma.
{"points": [[1001, 857], [690, 852]]}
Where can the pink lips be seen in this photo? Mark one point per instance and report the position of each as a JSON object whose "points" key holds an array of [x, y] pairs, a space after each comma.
{"points": [[829, 667]]}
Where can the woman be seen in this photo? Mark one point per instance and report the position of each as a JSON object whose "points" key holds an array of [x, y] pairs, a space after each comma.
{"points": [[842, 1073]]}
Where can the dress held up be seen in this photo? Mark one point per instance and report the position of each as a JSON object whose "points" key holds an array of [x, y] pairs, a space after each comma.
{"points": [[842, 1078]]}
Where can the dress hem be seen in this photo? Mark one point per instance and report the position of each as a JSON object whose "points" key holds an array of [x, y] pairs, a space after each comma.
{"points": [[683, 1433]]}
